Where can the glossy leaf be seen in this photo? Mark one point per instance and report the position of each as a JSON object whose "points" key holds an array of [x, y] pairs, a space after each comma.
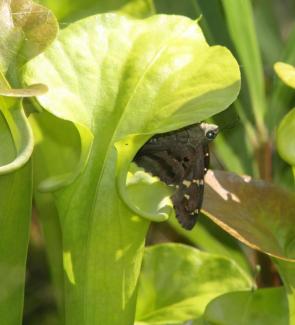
{"points": [[15, 216], [20, 138], [286, 138], [280, 94], [208, 236], [286, 72], [287, 273], [22, 36], [58, 140], [156, 202], [26, 29], [120, 80], [178, 281], [286, 129], [263, 306], [255, 212], [15, 199], [176, 111]]}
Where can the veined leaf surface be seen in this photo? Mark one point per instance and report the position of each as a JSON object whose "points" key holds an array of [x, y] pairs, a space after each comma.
{"points": [[120, 80]]}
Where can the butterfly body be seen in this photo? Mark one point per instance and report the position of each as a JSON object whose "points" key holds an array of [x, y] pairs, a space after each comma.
{"points": [[181, 159]]}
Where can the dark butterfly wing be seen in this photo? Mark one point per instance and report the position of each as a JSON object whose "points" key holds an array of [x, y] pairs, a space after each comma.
{"points": [[165, 156], [188, 198], [206, 157], [163, 165], [180, 158]]}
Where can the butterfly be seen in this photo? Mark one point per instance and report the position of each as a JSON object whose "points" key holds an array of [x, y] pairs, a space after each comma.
{"points": [[181, 159]]}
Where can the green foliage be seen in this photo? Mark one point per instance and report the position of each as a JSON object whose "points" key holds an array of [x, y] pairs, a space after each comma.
{"points": [[104, 86], [22, 36], [254, 307], [26, 30], [234, 203], [163, 79], [15, 207], [208, 237], [286, 72], [285, 135], [197, 278]]}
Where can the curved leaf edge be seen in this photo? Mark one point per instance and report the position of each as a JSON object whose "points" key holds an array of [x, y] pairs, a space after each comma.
{"points": [[55, 183], [126, 150], [22, 136]]}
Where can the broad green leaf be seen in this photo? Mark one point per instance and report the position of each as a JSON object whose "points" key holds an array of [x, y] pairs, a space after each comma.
{"points": [[15, 150], [26, 30], [257, 307], [59, 140], [156, 202], [15, 216], [163, 57], [281, 95], [120, 80], [15, 213], [208, 236], [240, 22], [287, 273], [286, 138], [286, 72], [256, 212], [178, 281]]}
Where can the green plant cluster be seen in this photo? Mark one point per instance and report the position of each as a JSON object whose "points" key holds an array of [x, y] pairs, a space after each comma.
{"points": [[82, 88]]}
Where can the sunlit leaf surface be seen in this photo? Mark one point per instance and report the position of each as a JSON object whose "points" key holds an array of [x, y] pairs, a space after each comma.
{"points": [[178, 281], [15, 218], [120, 80], [257, 213], [286, 138], [17, 139], [287, 273], [208, 236], [257, 307], [26, 29], [286, 72]]}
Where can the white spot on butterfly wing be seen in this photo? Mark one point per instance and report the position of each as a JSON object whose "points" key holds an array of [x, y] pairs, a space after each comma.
{"points": [[186, 183]]}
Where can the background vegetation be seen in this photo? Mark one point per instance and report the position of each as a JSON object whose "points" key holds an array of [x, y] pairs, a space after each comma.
{"points": [[245, 261]]}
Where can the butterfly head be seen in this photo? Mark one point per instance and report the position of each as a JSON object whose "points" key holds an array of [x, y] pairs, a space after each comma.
{"points": [[210, 131]]}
